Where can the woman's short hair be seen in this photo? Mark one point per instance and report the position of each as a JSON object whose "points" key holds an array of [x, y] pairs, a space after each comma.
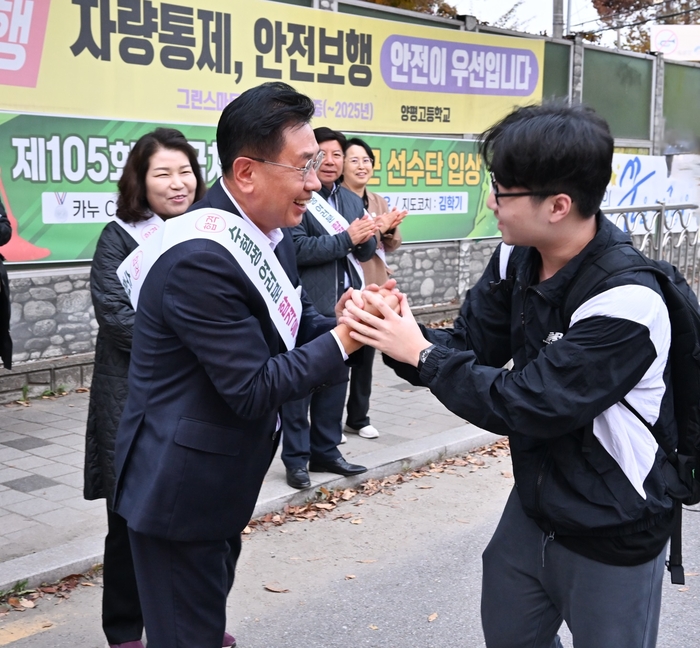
{"points": [[132, 205], [356, 141]]}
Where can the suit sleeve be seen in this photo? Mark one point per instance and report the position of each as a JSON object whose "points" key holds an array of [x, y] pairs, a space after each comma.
{"points": [[113, 309], [219, 316], [315, 247]]}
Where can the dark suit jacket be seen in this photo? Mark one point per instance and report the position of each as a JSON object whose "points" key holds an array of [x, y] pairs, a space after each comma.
{"points": [[208, 375]]}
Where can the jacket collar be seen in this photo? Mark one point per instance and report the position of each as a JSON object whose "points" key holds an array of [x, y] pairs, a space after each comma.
{"points": [[554, 289]]}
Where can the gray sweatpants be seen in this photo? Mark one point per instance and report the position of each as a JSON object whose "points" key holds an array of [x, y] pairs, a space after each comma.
{"points": [[531, 584]]}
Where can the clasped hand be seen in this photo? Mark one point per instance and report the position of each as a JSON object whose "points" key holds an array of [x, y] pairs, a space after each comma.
{"points": [[383, 319]]}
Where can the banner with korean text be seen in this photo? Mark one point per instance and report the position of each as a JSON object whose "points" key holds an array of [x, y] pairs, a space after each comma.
{"points": [[58, 181], [182, 62]]}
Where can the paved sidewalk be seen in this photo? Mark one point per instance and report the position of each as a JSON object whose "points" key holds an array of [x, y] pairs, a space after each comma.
{"points": [[47, 529]]}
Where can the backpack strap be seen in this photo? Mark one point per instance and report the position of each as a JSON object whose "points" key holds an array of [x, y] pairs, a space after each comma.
{"points": [[504, 253], [609, 263], [503, 257]]}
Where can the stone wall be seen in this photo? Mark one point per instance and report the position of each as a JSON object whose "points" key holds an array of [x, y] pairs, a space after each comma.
{"points": [[54, 326], [52, 314]]}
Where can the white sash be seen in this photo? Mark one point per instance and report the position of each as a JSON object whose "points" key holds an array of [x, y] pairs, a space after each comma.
{"points": [[143, 230], [334, 224], [248, 247], [380, 252]]}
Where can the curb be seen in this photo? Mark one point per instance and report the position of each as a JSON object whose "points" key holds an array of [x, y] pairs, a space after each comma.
{"points": [[78, 556]]}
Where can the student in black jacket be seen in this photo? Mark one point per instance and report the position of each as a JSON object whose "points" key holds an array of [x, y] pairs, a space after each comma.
{"points": [[582, 536]]}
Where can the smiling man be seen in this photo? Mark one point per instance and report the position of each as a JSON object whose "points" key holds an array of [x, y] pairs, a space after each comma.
{"points": [[582, 536], [328, 264], [209, 373]]}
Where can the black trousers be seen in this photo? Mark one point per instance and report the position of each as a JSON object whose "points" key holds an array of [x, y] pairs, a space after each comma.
{"points": [[318, 439], [183, 588], [121, 609], [360, 390]]}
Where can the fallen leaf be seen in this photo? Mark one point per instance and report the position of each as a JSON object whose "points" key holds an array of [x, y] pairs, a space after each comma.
{"points": [[47, 624], [691, 574], [349, 576], [81, 390], [373, 560], [275, 587], [325, 506], [27, 603], [247, 530], [424, 487], [356, 521], [374, 627], [432, 617], [683, 589], [462, 521], [346, 516], [13, 601], [507, 474], [49, 590], [88, 584]]}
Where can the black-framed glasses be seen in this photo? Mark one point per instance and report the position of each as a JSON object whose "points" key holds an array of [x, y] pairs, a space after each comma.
{"points": [[514, 194], [313, 163]]}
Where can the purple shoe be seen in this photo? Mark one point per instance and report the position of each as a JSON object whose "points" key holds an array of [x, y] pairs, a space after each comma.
{"points": [[229, 641], [128, 644]]}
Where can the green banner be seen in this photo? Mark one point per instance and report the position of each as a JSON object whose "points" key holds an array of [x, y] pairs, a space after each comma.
{"points": [[58, 181]]}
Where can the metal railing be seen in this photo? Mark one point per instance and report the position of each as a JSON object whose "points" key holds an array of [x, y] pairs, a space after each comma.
{"points": [[664, 231]]}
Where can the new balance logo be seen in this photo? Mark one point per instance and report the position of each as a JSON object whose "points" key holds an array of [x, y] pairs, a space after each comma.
{"points": [[553, 337]]}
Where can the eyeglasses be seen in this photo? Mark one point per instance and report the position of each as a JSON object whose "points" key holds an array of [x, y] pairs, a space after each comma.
{"points": [[514, 194], [363, 161], [313, 163]]}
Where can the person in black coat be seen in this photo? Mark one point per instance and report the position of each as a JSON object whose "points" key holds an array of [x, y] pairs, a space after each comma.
{"points": [[5, 339], [161, 179]]}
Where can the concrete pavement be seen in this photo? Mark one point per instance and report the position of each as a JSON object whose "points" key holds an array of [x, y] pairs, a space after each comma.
{"points": [[47, 529]]}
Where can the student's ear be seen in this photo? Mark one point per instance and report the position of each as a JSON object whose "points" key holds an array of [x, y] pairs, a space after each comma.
{"points": [[561, 207], [242, 174]]}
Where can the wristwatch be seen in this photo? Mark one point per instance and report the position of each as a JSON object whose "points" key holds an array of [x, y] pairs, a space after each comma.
{"points": [[423, 356]]}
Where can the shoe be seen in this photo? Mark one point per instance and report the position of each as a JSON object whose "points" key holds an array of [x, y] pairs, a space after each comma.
{"points": [[343, 439], [128, 644], [298, 478], [366, 432], [229, 641], [338, 466]]}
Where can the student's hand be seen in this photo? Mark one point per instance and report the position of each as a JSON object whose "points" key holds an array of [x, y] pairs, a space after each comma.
{"points": [[396, 334]]}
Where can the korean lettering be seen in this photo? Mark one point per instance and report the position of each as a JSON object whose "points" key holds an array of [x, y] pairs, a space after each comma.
{"points": [[396, 168], [463, 169], [415, 169], [85, 40], [15, 25], [85, 208], [307, 48], [138, 21], [434, 164]]}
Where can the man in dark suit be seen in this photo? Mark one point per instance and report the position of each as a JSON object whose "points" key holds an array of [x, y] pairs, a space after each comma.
{"points": [[312, 426], [209, 372]]}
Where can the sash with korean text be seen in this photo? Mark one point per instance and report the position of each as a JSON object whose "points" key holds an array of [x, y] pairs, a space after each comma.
{"points": [[333, 223], [249, 248]]}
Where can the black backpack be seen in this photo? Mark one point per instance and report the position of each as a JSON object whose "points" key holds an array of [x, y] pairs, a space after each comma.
{"points": [[683, 466]]}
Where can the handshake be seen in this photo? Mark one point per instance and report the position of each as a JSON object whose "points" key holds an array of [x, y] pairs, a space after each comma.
{"points": [[380, 317]]}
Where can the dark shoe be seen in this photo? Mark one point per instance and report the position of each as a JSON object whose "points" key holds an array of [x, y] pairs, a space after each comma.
{"points": [[298, 478], [338, 466], [229, 641]]}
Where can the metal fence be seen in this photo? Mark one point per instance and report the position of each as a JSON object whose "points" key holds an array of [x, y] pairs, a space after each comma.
{"points": [[661, 231]]}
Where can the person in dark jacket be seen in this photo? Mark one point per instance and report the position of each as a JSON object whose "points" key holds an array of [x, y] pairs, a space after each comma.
{"points": [[582, 536], [161, 179], [328, 265], [5, 307]]}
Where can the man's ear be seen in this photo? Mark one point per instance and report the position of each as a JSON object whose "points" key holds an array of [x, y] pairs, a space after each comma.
{"points": [[561, 207], [242, 174]]}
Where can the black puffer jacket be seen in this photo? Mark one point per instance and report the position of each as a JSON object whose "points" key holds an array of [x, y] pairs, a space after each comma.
{"points": [[112, 353], [5, 339]]}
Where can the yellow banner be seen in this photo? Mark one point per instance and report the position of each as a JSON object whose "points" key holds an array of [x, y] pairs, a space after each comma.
{"points": [[182, 62]]}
